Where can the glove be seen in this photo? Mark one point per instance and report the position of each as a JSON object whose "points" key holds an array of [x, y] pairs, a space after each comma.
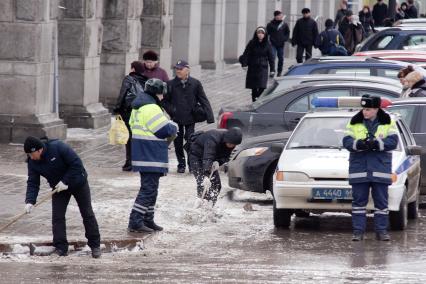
{"points": [[28, 208], [373, 144], [170, 139], [61, 186], [271, 74], [361, 145]]}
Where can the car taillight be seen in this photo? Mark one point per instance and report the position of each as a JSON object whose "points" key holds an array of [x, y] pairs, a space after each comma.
{"points": [[223, 121]]}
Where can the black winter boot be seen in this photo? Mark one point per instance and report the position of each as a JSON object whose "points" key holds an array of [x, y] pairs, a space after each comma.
{"points": [[153, 226]]}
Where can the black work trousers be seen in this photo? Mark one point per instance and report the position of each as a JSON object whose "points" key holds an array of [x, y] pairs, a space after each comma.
{"points": [[299, 53], [185, 132], [126, 118], [60, 202], [212, 193]]}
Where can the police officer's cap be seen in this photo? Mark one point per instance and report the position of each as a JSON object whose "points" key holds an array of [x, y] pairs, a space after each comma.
{"points": [[370, 101]]}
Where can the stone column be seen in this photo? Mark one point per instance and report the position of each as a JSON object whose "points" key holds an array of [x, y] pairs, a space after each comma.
{"points": [[186, 33], [212, 34], [235, 29], [256, 16], [80, 37], [120, 45], [27, 103], [157, 20]]}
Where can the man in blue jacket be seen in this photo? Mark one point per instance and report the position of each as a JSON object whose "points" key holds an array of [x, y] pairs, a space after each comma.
{"points": [[64, 170], [371, 136]]}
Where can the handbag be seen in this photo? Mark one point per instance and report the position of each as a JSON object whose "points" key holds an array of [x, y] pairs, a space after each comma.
{"points": [[118, 133], [198, 113]]}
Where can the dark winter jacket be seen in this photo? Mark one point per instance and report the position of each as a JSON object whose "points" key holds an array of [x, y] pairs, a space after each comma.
{"points": [[371, 165], [400, 15], [353, 34], [418, 89], [412, 12], [157, 72], [341, 13], [120, 106], [328, 38], [182, 98], [257, 56], [211, 146], [367, 22], [278, 32], [58, 163], [380, 12], [305, 32]]}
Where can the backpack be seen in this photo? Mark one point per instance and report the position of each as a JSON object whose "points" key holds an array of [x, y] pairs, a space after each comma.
{"points": [[134, 90], [335, 48]]}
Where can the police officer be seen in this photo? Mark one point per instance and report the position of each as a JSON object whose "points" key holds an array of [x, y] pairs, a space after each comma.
{"points": [[151, 130], [207, 147], [64, 170], [371, 135]]}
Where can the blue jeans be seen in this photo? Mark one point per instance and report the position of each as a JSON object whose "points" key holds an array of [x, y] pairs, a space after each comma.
{"points": [[360, 193], [143, 208], [279, 51]]}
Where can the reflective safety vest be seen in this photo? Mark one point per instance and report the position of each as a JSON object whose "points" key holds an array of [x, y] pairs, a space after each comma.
{"points": [[371, 166], [150, 130]]}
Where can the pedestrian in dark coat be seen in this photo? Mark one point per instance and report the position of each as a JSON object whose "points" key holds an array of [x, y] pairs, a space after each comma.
{"points": [[63, 169], [124, 109], [380, 12], [401, 12], [257, 56], [341, 13], [411, 12], [305, 32], [352, 31], [187, 104], [151, 69], [366, 20], [279, 33], [212, 146], [416, 84]]}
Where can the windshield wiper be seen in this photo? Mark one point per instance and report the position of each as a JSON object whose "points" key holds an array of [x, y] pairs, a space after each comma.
{"points": [[317, 147]]}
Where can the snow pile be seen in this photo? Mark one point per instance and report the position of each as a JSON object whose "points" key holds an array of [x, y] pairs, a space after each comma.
{"points": [[201, 212], [20, 249]]}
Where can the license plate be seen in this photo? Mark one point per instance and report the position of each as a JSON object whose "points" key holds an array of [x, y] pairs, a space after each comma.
{"points": [[332, 193]]}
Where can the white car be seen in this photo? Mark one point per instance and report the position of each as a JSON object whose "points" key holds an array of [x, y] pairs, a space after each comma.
{"points": [[312, 172]]}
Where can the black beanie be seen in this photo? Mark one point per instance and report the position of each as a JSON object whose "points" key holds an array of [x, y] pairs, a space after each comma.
{"points": [[32, 144], [150, 55], [233, 136], [277, 12]]}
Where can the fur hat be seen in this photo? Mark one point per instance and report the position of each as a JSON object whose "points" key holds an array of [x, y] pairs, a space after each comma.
{"points": [[370, 101], [150, 55], [413, 77]]}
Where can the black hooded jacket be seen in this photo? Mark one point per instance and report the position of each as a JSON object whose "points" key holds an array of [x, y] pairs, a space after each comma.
{"points": [[211, 146], [257, 56], [120, 106], [418, 89], [278, 32]]}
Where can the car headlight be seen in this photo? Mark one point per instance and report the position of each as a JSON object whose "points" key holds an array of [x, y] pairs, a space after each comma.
{"points": [[257, 151], [292, 176]]}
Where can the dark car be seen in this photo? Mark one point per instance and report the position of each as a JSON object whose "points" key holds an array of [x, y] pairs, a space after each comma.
{"points": [[407, 37], [413, 111], [252, 163], [350, 65], [280, 111]]}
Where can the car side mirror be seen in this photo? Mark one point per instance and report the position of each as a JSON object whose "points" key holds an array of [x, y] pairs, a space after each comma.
{"points": [[414, 150], [277, 148]]}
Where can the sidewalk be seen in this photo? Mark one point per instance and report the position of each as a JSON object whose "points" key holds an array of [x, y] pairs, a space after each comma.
{"points": [[113, 191]]}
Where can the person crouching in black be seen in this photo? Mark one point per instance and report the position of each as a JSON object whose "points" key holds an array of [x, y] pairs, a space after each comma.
{"points": [[211, 146]]}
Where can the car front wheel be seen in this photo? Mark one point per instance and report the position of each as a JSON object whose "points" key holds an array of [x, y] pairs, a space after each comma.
{"points": [[282, 217], [398, 219]]}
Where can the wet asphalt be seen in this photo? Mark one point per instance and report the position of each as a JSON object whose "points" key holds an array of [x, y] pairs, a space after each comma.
{"points": [[317, 249]]}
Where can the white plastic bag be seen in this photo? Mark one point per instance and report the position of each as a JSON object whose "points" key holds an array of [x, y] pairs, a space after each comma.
{"points": [[118, 133]]}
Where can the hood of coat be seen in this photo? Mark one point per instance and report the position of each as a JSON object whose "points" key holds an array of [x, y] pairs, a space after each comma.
{"points": [[265, 39], [143, 99]]}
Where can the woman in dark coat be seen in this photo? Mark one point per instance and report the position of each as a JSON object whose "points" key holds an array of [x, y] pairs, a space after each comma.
{"points": [[257, 56], [366, 20]]}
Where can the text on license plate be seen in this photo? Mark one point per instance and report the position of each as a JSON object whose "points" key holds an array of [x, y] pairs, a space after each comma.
{"points": [[331, 193]]}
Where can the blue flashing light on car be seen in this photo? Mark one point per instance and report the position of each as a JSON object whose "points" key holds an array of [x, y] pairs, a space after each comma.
{"points": [[343, 102]]}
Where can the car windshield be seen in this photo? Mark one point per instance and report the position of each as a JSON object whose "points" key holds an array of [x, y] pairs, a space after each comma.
{"points": [[319, 133]]}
